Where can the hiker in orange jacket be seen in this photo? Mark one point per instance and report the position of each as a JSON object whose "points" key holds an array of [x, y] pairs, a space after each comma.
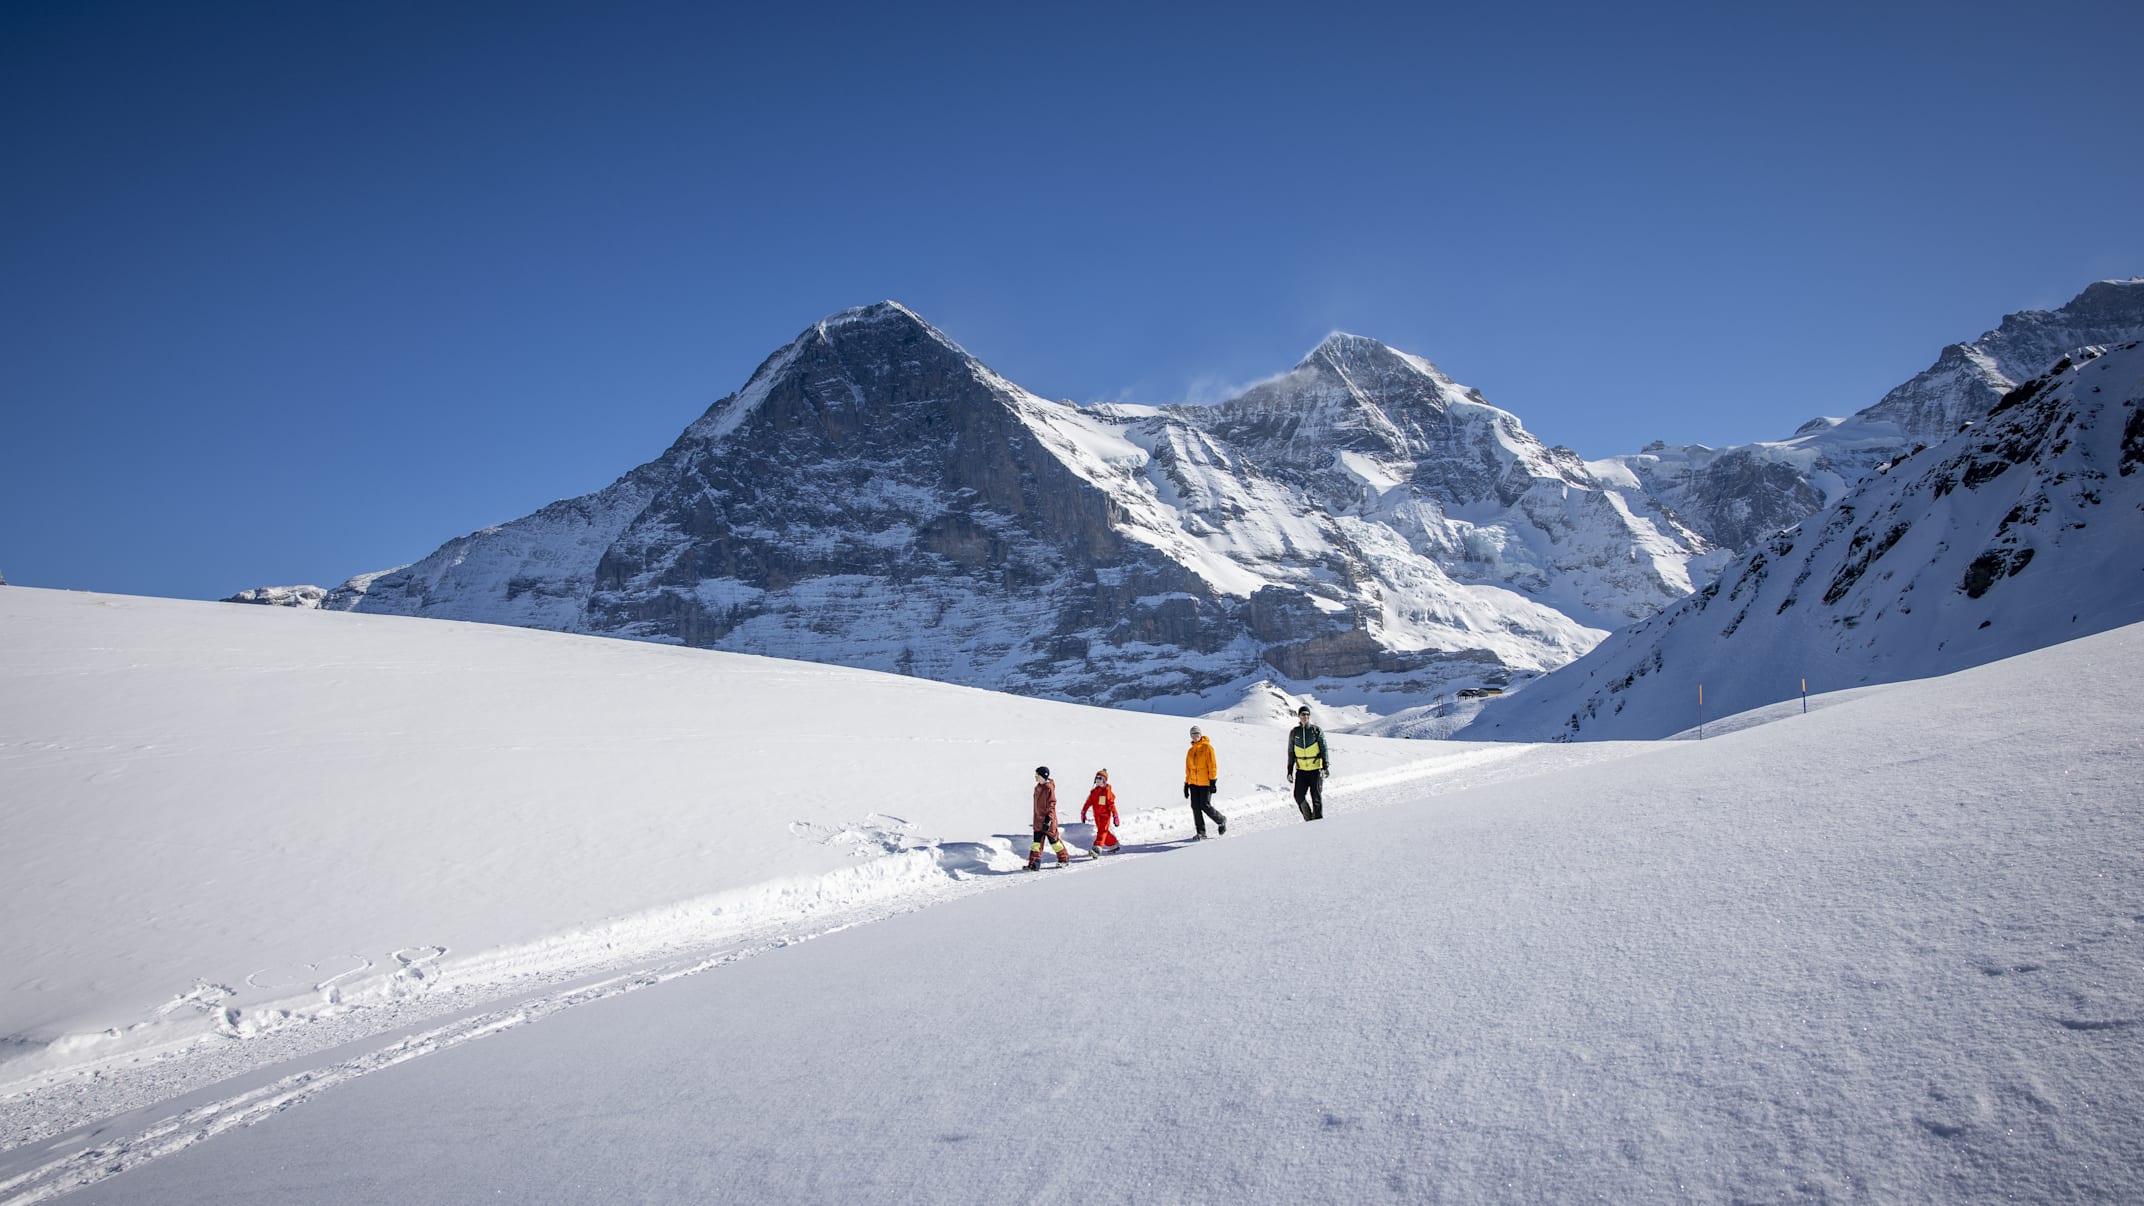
{"points": [[1201, 780], [1102, 801], [1046, 820]]}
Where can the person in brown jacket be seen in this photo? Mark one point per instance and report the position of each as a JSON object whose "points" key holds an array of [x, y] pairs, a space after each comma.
{"points": [[1201, 780], [1046, 820]]}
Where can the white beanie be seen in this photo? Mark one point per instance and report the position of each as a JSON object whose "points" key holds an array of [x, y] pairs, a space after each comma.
{"points": [[1194, 730]]}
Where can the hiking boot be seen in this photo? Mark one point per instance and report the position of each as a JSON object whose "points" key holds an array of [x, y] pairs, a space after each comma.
{"points": [[1221, 826]]}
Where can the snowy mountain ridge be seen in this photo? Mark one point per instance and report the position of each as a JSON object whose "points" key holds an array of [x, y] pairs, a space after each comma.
{"points": [[1738, 495], [2022, 530], [874, 496], [1360, 529]]}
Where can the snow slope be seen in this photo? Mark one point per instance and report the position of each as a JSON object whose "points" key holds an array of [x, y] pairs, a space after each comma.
{"points": [[236, 834], [1892, 951], [2021, 531]]}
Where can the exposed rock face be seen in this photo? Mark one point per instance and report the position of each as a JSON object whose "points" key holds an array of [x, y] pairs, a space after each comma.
{"points": [[876, 497], [1736, 497], [2022, 531], [1748, 497]]}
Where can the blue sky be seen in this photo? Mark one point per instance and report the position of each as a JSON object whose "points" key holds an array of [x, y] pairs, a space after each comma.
{"points": [[291, 292]]}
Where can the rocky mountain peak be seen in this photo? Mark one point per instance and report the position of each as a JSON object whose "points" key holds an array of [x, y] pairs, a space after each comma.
{"points": [[888, 319], [845, 371], [1372, 370], [1968, 378], [1738, 495], [1341, 352], [2109, 300], [1351, 383]]}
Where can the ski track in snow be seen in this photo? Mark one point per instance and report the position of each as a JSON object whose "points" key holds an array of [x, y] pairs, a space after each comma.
{"points": [[72, 1128]]}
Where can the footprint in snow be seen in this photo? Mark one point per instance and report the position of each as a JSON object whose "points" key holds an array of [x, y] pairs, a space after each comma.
{"points": [[416, 962], [330, 989], [204, 997]]}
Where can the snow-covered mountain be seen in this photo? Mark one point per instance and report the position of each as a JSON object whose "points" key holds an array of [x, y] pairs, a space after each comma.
{"points": [[1360, 529], [2023, 530], [1738, 496], [876, 497]]}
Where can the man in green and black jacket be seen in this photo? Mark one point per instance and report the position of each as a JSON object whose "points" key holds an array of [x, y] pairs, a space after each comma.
{"points": [[1309, 761]]}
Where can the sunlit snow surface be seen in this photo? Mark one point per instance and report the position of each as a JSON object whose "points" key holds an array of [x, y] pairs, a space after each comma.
{"points": [[1892, 951]]}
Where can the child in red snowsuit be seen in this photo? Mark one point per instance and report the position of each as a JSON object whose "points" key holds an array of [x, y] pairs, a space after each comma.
{"points": [[1103, 802]]}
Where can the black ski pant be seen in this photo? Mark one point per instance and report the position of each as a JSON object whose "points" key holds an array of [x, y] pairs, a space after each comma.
{"points": [[1313, 784], [1202, 807]]}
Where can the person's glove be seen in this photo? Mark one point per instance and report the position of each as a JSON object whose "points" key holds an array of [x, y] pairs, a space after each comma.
{"points": [[1291, 776], [1187, 791], [1215, 787]]}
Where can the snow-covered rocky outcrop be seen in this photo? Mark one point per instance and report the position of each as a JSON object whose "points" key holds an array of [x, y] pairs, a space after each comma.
{"points": [[309, 597], [2023, 530], [876, 497], [1738, 496]]}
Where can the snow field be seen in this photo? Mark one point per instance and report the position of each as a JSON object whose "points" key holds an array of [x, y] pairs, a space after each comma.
{"points": [[1893, 950], [240, 835]]}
